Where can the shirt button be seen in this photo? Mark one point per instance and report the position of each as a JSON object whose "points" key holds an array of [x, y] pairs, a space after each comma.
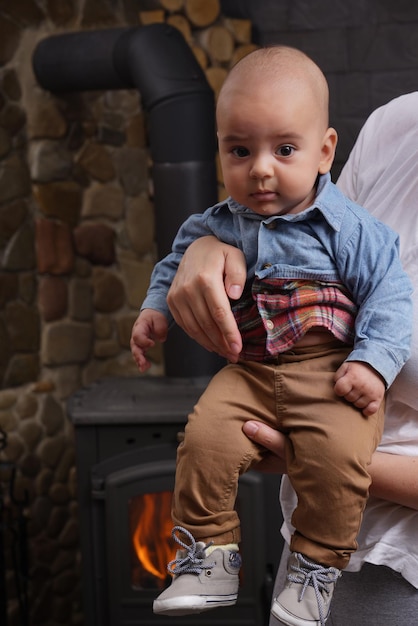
{"points": [[266, 266], [271, 225], [270, 324]]}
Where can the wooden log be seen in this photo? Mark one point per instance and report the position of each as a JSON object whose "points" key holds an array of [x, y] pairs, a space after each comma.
{"points": [[149, 5], [218, 43], [215, 77], [240, 29], [202, 13], [242, 51], [182, 24], [172, 5], [200, 55], [151, 17]]}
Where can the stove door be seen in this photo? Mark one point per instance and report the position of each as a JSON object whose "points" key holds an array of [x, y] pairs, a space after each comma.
{"points": [[138, 544]]}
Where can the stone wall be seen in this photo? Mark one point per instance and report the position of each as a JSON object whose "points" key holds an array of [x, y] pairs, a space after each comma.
{"points": [[76, 252], [77, 231]]}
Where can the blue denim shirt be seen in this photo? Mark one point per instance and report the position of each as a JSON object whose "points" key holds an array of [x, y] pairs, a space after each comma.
{"points": [[332, 240]]}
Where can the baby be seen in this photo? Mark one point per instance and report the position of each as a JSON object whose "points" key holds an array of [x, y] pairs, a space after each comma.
{"points": [[325, 321]]}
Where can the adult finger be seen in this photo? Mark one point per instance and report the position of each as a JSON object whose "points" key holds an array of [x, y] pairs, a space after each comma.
{"points": [[269, 438]]}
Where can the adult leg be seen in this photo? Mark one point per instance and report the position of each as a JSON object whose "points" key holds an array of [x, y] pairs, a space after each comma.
{"points": [[375, 595]]}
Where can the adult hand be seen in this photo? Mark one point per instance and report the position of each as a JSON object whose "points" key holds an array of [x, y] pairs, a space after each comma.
{"points": [[273, 440], [209, 274], [394, 476]]}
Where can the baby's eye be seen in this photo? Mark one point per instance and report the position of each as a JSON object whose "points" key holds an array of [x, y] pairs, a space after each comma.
{"points": [[240, 152], [285, 151]]}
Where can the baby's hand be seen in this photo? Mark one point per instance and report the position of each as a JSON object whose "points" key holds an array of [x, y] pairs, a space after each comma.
{"points": [[150, 326], [361, 385]]}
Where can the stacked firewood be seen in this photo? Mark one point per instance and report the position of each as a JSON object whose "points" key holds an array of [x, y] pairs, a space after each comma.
{"points": [[217, 42]]}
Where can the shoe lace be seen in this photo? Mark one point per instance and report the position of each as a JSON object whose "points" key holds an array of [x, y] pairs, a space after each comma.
{"points": [[316, 575], [192, 563]]}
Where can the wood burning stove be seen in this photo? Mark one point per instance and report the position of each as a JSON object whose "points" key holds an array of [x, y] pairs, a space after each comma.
{"points": [[127, 431]]}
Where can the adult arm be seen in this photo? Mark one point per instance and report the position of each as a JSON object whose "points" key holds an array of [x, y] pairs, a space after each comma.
{"points": [[394, 476], [209, 274]]}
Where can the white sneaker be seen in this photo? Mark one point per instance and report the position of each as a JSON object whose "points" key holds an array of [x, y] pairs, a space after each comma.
{"points": [[306, 598], [200, 582]]}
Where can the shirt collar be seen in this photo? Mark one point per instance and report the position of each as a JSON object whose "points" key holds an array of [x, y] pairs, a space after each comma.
{"points": [[329, 201]]}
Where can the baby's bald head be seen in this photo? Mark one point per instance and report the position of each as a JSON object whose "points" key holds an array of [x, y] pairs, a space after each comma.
{"points": [[287, 69]]}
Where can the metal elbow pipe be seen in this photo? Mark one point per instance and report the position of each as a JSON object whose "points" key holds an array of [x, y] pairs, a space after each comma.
{"points": [[157, 61]]}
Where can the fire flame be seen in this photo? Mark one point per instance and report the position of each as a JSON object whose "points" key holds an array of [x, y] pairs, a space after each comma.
{"points": [[151, 536]]}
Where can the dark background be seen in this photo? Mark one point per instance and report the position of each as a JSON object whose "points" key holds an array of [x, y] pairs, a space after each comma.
{"points": [[368, 50]]}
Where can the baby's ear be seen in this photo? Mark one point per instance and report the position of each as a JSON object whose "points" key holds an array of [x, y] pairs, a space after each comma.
{"points": [[329, 144]]}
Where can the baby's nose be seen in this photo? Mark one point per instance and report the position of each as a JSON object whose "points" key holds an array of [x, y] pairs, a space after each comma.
{"points": [[262, 167]]}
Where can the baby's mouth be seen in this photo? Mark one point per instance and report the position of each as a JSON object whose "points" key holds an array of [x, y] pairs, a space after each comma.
{"points": [[264, 195]]}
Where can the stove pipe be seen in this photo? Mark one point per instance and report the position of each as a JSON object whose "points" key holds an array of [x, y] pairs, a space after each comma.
{"points": [[157, 61]]}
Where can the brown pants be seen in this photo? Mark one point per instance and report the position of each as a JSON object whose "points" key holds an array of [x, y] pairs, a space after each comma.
{"points": [[330, 445]]}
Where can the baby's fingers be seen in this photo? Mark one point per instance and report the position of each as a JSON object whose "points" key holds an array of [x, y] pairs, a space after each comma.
{"points": [[343, 384], [371, 408], [138, 354]]}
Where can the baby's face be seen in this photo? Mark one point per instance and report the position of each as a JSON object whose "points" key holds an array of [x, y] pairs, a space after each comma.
{"points": [[271, 147]]}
